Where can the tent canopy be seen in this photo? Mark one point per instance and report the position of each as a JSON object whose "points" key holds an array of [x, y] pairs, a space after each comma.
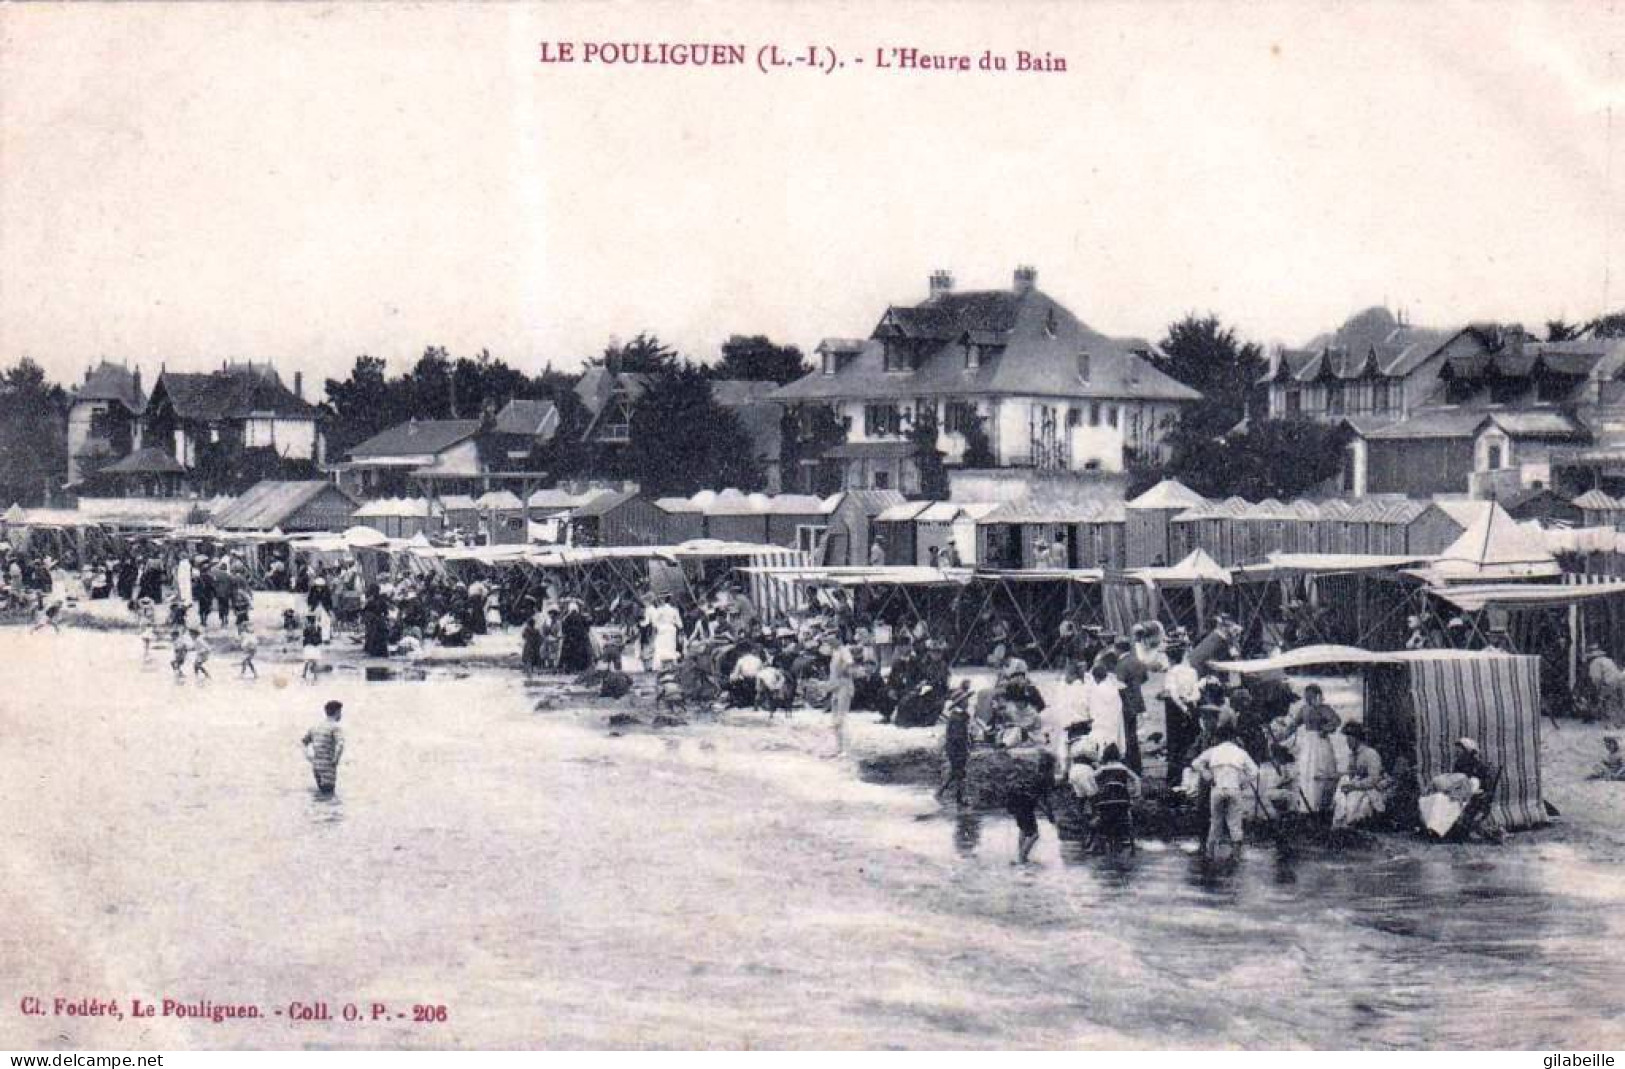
{"points": [[1198, 567], [889, 575], [1278, 565], [1322, 656], [1494, 546], [1525, 595]]}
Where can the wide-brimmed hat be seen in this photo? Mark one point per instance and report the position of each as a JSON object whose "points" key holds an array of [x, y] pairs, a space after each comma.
{"points": [[1594, 652], [1467, 744], [1015, 666]]}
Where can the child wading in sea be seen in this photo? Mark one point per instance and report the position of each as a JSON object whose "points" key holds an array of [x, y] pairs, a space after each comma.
{"points": [[200, 654], [180, 644], [324, 746], [250, 646], [312, 649]]}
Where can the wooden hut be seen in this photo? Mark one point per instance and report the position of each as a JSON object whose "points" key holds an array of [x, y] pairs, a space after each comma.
{"points": [[683, 520], [896, 530], [618, 518], [1598, 509], [288, 506], [400, 517], [1148, 517], [850, 516], [797, 521]]}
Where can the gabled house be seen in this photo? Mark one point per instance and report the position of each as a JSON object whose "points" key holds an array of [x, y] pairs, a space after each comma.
{"points": [[104, 419], [1374, 369], [386, 462], [610, 397], [521, 425], [1048, 391], [227, 412]]}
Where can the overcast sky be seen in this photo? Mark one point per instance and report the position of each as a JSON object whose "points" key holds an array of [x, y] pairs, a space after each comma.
{"points": [[306, 183]]}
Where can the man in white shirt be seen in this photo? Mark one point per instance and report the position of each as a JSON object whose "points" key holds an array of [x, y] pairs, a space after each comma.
{"points": [[1233, 775]]}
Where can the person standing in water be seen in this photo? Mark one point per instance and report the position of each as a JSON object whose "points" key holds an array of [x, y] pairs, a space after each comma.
{"points": [[842, 684], [324, 746], [250, 644]]}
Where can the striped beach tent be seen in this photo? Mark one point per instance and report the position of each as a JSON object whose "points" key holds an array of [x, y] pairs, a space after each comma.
{"points": [[1495, 701], [775, 596]]}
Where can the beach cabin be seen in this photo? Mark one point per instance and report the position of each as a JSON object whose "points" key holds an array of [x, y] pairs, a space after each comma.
{"points": [[797, 521], [850, 516], [897, 530], [1147, 520], [288, 506], [400, 517], [617, 518], [682, 520], [1598, 509]]}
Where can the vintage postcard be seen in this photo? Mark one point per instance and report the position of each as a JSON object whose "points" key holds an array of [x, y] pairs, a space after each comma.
{"points": [[799, 525]]}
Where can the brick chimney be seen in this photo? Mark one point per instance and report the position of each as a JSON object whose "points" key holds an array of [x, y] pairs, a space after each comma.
{"points": [[942, 283], [299, 385], [1025, 280]]}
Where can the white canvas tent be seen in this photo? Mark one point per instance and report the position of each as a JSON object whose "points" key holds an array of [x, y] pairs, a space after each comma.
{"points": [[1495, 546]]}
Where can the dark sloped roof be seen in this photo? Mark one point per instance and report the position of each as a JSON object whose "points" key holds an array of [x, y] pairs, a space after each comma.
{"points": [[526, 418], [760, 418], [604, 502], [417, 437], [237, 393], [1433, 423], [270, 503], [1539, 423], [112, 382], [149, 460], [1042, 342], [1371, 341]]}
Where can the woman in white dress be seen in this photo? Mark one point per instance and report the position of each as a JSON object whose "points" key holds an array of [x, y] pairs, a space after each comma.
{"points": [[1315, 721], [668, 622]]}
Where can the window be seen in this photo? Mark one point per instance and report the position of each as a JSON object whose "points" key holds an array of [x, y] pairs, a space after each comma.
{"points": [[882, 480], [1050, 323], [1094, 413], [831, 363], [1294, 404], [1083, 366], [1492, 457], [881, 421], [897, 357], [1334, 398], [959, 416], [1074, 417], [973, 356], [1111, 415], [810, 539]]}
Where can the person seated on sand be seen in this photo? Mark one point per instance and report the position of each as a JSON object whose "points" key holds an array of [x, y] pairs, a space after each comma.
{"points": [[742, 680], [1361, 793], [1612, 766], [1278, 784], [772, 689], [1454, 797]]}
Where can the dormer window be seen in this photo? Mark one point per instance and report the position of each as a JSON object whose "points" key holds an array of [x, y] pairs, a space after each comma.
{"points": [[1083, 366], [831, 362], [1050, 323], [973, 356], [897, 357]]}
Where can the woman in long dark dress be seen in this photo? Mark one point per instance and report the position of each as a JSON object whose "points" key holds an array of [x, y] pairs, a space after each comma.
{"points": [[575, 649], [375, 620]]}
